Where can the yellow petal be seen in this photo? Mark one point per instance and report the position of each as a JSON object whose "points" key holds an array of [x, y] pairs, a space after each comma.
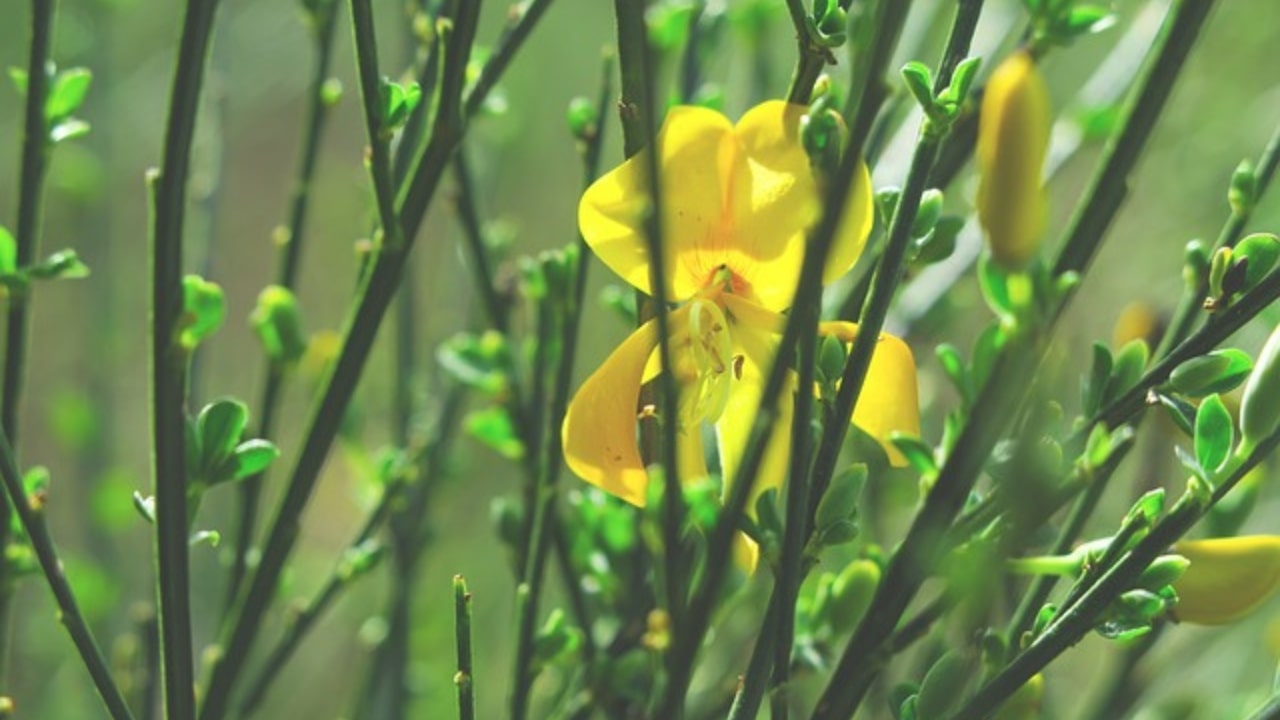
{"points": [[694, 146], [776, 201], [1227, 578], [734, 427], [1013, 137], [599, 431], [889, 401]]}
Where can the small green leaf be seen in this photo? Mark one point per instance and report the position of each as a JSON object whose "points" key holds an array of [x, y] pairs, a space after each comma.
{"points": [[66, 94], [919, 81], [62, 265], [1215, 434], [917, 452], [481, 362], [145, 505], [940, 243], [1180, 411], [69, 129], [954, 368], [1242, 194], [278, 324], [928, 213], [220, 426], [943, 684], [252, 457], [1261, 250], [19, 77], [840, 501], [1218, 372], [203, 310], [1085, 20], [1127, 370]]}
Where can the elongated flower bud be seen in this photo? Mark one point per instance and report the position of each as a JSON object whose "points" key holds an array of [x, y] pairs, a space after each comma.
{"points": [[1259, 408], [1013, 136], [1227, 578]]}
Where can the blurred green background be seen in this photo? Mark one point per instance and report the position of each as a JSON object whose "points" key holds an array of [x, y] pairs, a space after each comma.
{"points": [[86, 411]]}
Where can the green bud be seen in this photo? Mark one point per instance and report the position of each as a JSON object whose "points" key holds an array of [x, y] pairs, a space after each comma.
{"points": [[833, 26], [840, 501], [1261, 250], [508, 519], [831, 359], [928, 213], [821, 133], [1243, 191], [331, 91], [1259, 408], [851, 594], [1164, 570], [278, 325], [1218, 267], [203, 309], [583, 118], [1217, 372], [1196, 263], [943, 685]]}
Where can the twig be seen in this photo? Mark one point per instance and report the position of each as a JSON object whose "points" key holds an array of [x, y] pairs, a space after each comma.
{"points": [[168, 364], [290, 253], [33, 523], [464, 679], [35, 146]]}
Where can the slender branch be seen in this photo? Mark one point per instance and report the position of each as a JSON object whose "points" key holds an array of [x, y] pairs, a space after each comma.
{"points": [[31, 515], [840, 699], [168, 364], [1073, 623], [463, 679], [375, 121], [811, 55], [290, 252], [377, 289], [35, 151]]}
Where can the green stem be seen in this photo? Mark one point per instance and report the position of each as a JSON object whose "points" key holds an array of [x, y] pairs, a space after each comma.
{"points": [[378, 288], [864, 655], [366, 44], [811, 56], [290, 252], [339, 579], [1075, 622], [464, 678], [168, 364], [33, 523], [1193, 299], [809, 288], [35, 153]]}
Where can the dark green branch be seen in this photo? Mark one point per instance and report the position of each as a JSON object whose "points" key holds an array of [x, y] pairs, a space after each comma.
{"points": [[168, 364], [290, 253], [33, 523]]}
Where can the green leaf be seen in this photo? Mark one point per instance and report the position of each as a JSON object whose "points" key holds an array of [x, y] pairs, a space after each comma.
{"points": [[919, 80], [203, 310], [481, 362], [940, 243], [1085, 20], [8, 252], [492, 426], [1261, 251], [994, 284], [917, 452], [66, 94], [1218, 372], [69, 129], [954, 368], [1215, 433], [943, 684], [62, 265], [1180, 411], [252, 457], [840, 501], [1127, 370], [220, 426]]}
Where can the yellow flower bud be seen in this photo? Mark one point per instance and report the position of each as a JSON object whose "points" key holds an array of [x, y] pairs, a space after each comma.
{"points": [[1227, 579], [1013, 137]]}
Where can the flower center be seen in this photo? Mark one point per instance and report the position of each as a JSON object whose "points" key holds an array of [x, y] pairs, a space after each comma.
{"points": [[711, 348]]}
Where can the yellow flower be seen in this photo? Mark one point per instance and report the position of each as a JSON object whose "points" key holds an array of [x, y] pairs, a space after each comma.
{"points": [[1013, 137], [737, 203], [1227, 578]]}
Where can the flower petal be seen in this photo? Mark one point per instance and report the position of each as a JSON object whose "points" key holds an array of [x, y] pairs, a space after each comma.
{"points": [[599, 431], [694, 143], [777, 200], [734, 427], [889, 401]]}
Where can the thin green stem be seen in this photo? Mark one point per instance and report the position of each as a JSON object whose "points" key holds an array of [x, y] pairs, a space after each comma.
{"points": [[378, 288], [371, 93], [290, 253], [1192, 303], [35, 154], [811, 55], [865, 655], [464, 679], [33, 524], [168, 364], [746, 702], [1075, 622]]}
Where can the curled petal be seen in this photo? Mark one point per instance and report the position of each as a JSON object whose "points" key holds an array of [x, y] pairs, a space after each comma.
{"points": [[599, 431], [1227, 578], [889, 401], [694, 145]]}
